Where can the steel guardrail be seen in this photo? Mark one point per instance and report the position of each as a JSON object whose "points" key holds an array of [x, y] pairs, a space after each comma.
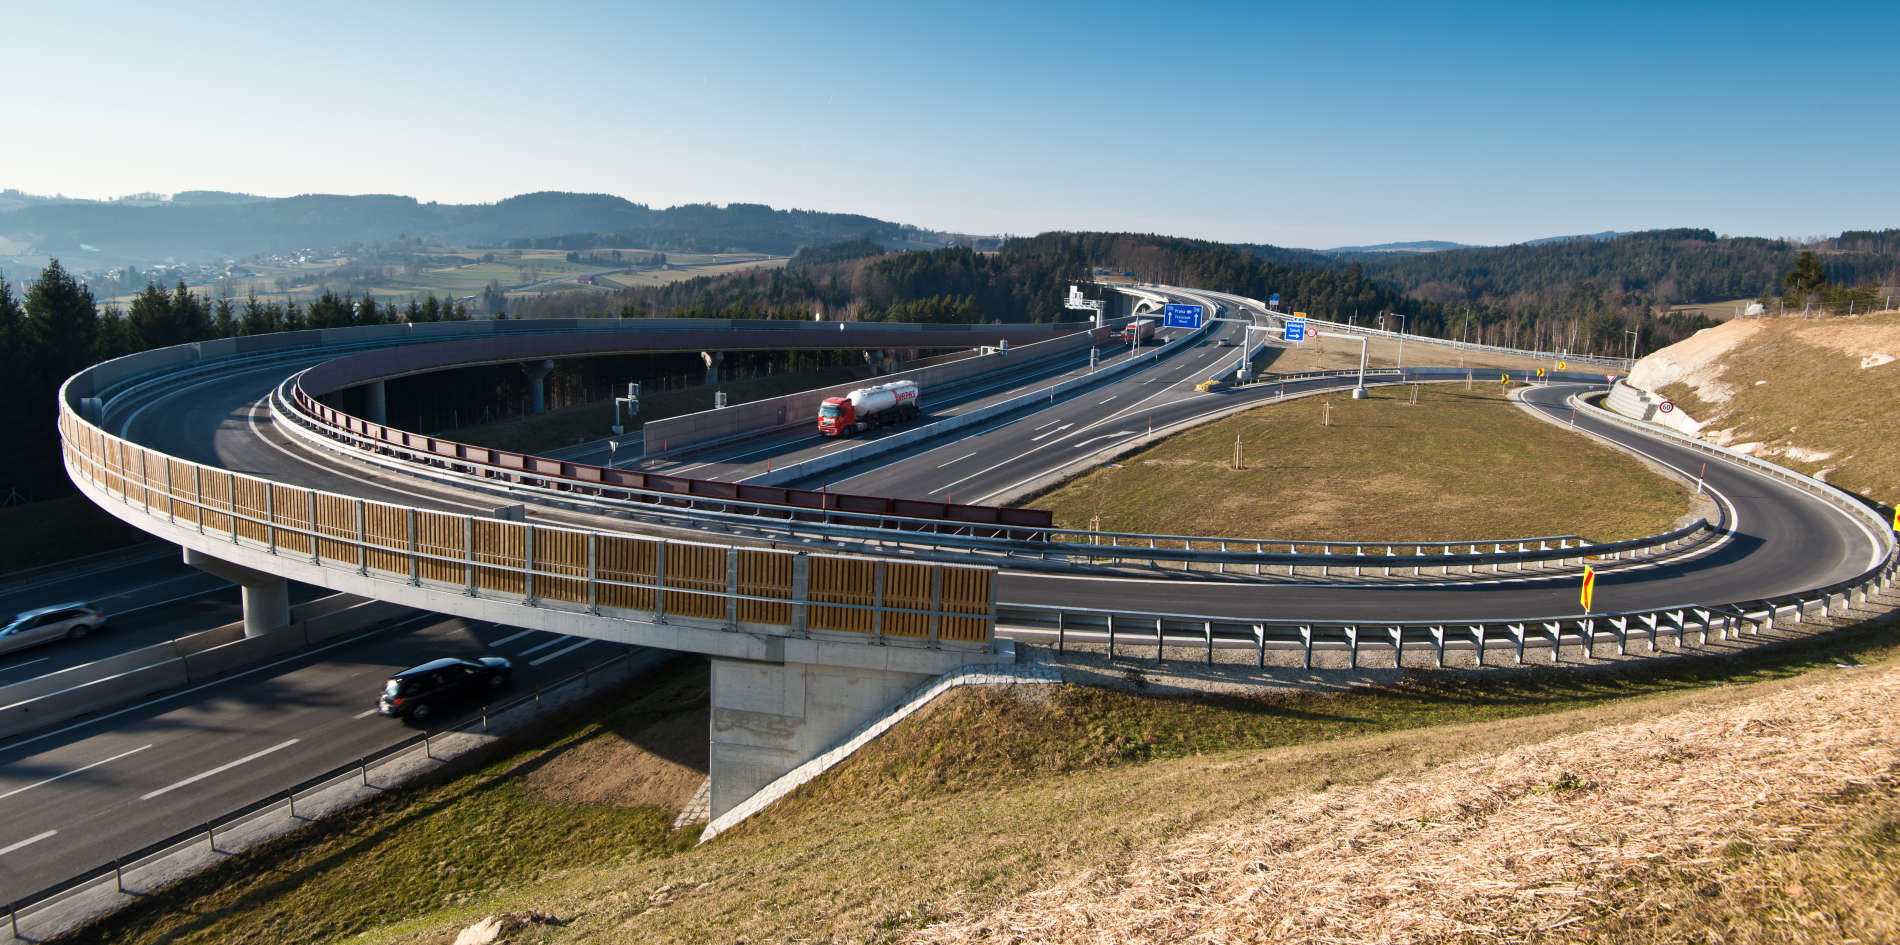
{"points": [[1014, 541], [500, 559]]}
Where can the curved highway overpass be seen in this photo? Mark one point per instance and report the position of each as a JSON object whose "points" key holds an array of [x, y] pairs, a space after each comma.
{"points": [[178, 441]]}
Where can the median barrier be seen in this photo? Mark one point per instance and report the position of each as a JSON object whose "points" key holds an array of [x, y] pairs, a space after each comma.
{"points": [[127, 677], [244, 653], [28, 689], [96, 695]]}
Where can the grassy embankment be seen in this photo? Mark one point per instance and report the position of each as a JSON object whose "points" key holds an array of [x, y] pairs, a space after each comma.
{"points": [[570, 425], [973, 804], [1456, 465], [1792, 383], [1320, 353]]}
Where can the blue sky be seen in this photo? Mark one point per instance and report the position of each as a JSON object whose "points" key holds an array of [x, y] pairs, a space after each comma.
{"points": [[1298, 124]]}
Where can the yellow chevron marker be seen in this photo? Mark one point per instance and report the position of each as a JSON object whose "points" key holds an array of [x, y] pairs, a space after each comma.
{"points": [[1589, 586], [1896, 518]]}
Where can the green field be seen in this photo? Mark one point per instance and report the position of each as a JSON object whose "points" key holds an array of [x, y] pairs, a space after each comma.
{"points": [[1384, 470], [512, 269]]}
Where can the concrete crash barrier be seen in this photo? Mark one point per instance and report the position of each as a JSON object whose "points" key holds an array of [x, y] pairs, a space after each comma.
{"points": [[125, 678], [85, 698]]}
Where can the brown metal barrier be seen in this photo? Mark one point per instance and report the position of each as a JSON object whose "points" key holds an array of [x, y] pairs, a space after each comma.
{"points": [[927, 604], [801, 504]]}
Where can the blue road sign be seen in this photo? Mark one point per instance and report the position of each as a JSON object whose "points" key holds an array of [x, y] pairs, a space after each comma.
{"points": [[1296, 329], [1273, 299], [1182, 316]]}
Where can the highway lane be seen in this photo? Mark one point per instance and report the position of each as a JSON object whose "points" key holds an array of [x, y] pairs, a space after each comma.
{"points": [[76, 798], [974, 466], [737, 461], [147, 599]]}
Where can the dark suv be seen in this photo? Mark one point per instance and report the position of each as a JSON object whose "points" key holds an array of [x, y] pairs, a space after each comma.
{"points": [[416, 692]]}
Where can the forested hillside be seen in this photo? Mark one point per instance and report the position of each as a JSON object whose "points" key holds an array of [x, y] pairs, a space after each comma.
{"points": [[55, 328], [1027, 278], [202, 227], [1655, 269]]}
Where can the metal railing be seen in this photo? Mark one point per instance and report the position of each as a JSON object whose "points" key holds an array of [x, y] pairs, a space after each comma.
{"points": [[653, 580], [1149, 632], [933, 538]]}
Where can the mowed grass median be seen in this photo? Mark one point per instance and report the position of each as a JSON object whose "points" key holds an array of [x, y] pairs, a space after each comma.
{"points": [[1457, 465]]}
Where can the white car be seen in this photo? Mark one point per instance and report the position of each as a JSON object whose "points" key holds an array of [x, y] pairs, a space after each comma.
{"points": [[58, 622]]}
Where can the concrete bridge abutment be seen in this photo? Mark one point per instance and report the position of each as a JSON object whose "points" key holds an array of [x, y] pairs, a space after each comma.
{"points": [[768, 718], [266, 596]]}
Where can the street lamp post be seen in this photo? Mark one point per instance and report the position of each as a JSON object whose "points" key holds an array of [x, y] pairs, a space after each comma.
{"points": [[1633, 337], [1401, 319]]}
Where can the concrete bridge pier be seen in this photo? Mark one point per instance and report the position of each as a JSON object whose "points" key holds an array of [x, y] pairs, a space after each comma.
{"points": [[713, 360], [537, 372], [375, 402], [266, 596], [769, 718]]}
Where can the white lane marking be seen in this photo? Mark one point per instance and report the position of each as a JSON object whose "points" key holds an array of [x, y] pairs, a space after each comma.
{"points": [[366, 713], [559, 639], [958, 459], [1106, 400], [200, 776], [1037, 439], [163, 603], [37, 659], [510, 638], [69, 774], [1105, 436], [561, 652], [170, 580], [28, 841], [1049, 424], [203, 686]]}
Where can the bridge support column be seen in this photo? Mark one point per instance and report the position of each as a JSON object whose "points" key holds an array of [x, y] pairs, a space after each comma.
{"points": [[266, 596], [713, 359], [375, 402], [768, 718], [537, 372]]}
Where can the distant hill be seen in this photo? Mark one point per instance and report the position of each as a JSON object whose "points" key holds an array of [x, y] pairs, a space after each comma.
{"points": [[1415, 246], [1605, 235], [1648, 268], [208, 225]]}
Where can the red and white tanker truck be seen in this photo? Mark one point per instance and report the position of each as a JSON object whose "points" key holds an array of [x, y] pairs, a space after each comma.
{"points": [[868, 407]]}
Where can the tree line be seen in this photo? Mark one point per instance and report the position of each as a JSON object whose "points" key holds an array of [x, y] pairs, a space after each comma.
{"points": [[1023, 281], [54, 328]]}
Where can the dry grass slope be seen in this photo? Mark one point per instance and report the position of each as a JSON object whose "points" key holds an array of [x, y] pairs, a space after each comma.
{"points": [[1798, 387], [1527, 843]]}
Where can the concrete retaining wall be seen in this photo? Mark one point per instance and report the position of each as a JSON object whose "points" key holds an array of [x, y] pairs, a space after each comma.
{"points": [[789, 411]]}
